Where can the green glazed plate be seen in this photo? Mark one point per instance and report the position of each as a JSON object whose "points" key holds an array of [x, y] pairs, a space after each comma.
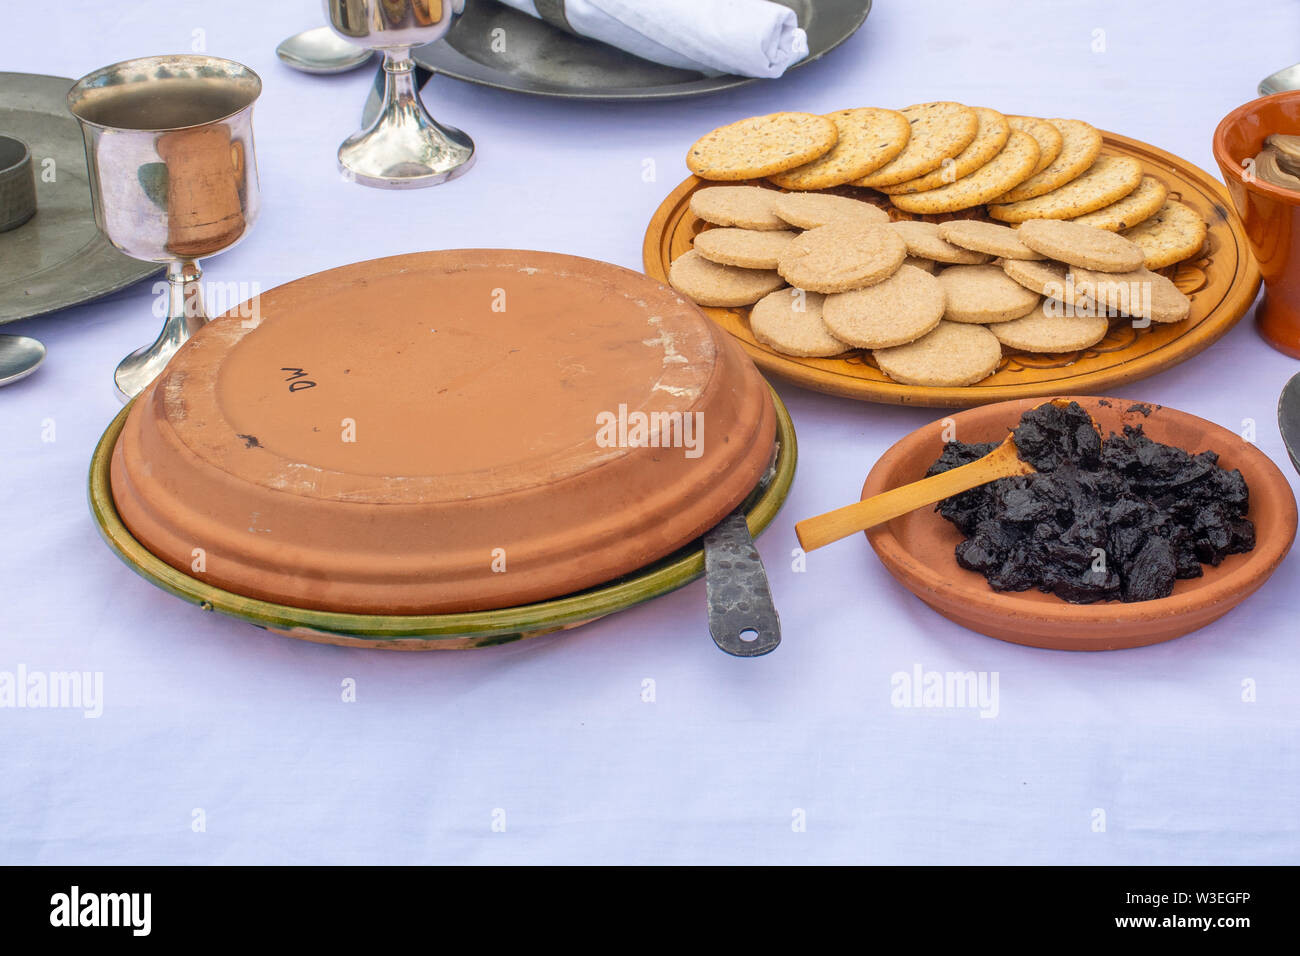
{"points": [[419, 632]]}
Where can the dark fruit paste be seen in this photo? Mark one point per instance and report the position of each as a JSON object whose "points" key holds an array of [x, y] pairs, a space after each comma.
{"points": [[1101, 520]]}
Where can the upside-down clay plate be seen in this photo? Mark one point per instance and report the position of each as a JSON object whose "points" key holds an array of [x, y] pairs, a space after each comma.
{"points": [[442, 432], [918, 548]]}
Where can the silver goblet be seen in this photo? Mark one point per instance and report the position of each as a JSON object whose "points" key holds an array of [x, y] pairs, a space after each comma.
{"points": [[173, 178], [404, 147]]}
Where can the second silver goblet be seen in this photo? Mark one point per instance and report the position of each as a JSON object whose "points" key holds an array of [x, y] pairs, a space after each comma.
{"points": [[404, 147]]}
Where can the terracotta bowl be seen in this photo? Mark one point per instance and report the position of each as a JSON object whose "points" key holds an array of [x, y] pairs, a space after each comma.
{"points": [[918, 549], [1269, 214]]}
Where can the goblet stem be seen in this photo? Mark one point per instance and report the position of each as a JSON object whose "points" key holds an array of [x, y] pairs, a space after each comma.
{"points": [[400, 93], [404, 147], [185, 316]]}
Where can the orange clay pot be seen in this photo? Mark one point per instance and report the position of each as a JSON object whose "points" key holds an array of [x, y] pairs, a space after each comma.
{"points": [[1269, 214]]}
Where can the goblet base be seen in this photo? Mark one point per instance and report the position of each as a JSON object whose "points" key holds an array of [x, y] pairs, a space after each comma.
{"points": [[407, 151], [185, 316], [138, 369]]}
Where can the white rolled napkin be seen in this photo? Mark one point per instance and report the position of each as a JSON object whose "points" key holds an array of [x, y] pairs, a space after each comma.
{"points": [[745, 37]]}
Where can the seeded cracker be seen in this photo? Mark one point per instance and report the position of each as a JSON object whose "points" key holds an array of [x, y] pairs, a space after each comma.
{"points": [[868, 138], [1081, 145], [761, 146], [1010, 166], [988, 142], [939, 131], [1138, 206], [1173, 234], [1049, 138], [1108, 180]]}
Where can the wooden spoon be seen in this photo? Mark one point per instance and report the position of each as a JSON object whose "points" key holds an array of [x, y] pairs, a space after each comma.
{"points": [[1001, 462]]}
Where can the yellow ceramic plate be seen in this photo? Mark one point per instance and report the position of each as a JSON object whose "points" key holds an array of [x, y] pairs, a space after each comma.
{"points": [[433, 631]]}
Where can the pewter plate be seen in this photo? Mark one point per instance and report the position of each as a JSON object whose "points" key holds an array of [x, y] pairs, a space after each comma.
{"points": [[543, 60], [58, 257], [1288, 419]]}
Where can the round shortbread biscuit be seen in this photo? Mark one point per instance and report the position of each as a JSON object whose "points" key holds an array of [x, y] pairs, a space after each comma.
{"points": [[748, 207], [989, 139], [1011, 165], [925, 242], [986, 237], [1051, 279], [950, 356], [1108, 180], [940, 131], [761, 146], [983, 295], [925, 265], [708, 283], [1138, 206], [1140, 293], [790, 321], [842, 256], [1047, 136], [1173, 234], [1080, 147], [1047, 330], [894, 312], [747, 248], [868, 138], [810, 210], [1075, 244]]}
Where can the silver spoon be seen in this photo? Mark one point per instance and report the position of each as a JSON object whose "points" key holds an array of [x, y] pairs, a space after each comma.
{"points": [[1288, 79], [321, 51], [20, 355], [1288, 419]]}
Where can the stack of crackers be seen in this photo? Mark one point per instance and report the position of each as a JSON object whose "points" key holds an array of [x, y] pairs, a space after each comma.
{"points": [[936, 302]]}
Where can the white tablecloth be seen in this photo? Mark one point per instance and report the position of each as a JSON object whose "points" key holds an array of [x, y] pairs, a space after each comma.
{"points": [[220, 743]]}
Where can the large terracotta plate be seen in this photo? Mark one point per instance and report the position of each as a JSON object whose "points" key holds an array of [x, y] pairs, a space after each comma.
{"points": [[433, 631], [918, 548], [1222, 282]]}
